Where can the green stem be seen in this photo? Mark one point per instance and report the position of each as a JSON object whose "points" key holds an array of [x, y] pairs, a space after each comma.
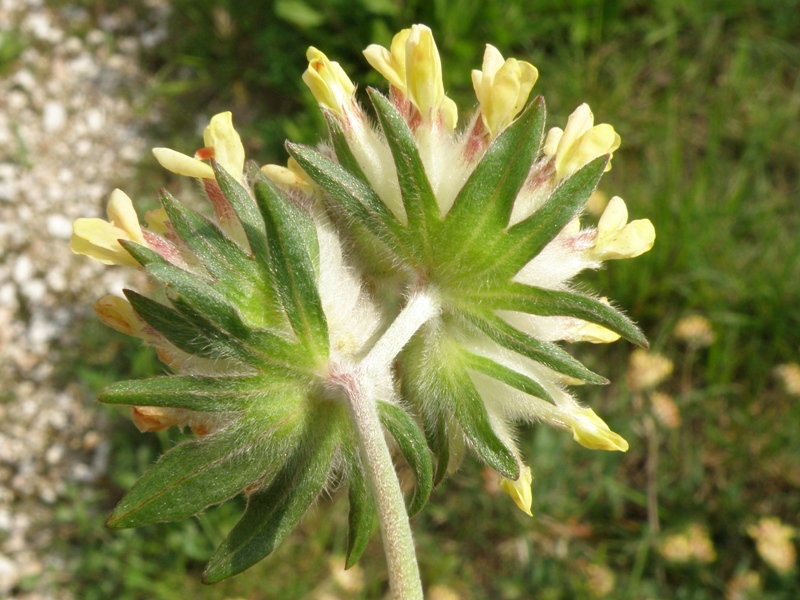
{"points": [[398, 543]]}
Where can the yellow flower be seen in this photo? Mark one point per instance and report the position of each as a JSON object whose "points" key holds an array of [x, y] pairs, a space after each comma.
{"points": [[774, 543], [226, 143], [502, 88], [99, 239], [591, 431], [520, 490], [581, 142], [616, 238], [328, 82], [647, 369], [414, 68], [291, 175], [118, 314]]}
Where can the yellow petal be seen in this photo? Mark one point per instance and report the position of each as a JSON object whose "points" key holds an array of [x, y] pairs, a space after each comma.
{"points": [[595, 334], [182, 164], [228, 148], [97, 239], [591, 431], [551, 142], [520, 490], [390, 63], [423, 70], [328, 82], [122, 214], [618, 239], [118, 314], [580, 142], [157, 220], [502, 88]]}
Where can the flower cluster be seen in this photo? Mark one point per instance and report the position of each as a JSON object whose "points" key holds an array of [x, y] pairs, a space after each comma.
{"points": [[424, 265]]}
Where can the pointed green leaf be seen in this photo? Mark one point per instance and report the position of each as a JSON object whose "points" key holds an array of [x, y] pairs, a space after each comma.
{"points": [[246, 210], [341, 148], [273, 511], [293, 252], [549, 303], [353, 196], [470, 411], [210, 312], [528, 238], [420, 203], [176, 328], [549, 354], [361, 516], [508, 376], [219, 255], [211, 394], [143, 255], [483, 206], [190, 478], [439, 442], [411, 442]]}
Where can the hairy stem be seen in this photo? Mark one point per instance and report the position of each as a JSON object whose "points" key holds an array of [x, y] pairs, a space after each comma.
{"points": [[398, 543]]}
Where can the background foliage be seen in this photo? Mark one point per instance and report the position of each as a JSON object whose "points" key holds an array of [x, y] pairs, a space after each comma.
{"points": [[706, 97]]}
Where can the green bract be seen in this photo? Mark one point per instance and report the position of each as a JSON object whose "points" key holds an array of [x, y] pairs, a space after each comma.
{"points": [[469, 257], [282, 433]]}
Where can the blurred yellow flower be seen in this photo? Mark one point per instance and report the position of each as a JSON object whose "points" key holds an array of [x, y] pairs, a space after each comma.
{"points": [[647, 369], [665, 410], [695, 330], [694, 545], [99, 239], [774, 543], [789, 374]]}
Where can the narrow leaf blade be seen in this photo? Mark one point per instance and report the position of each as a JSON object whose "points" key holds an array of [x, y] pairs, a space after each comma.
{"points": [[549, 354], [528, 238], [351, 195], [412, 445], [508, 376], [293, 250], [420, 203], [361, 516], [188, 479], [483, 206], [207, 394], [547, 303], [272, 512]]}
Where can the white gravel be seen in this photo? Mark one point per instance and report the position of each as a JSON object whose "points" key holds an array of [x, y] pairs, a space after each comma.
{"points": [[69, 134]]}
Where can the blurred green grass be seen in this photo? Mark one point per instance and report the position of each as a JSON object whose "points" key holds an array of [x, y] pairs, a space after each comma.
{"points": [[706, 97]]}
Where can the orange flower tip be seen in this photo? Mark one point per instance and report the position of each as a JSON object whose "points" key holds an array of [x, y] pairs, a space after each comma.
{"points": [[205, 153]]}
